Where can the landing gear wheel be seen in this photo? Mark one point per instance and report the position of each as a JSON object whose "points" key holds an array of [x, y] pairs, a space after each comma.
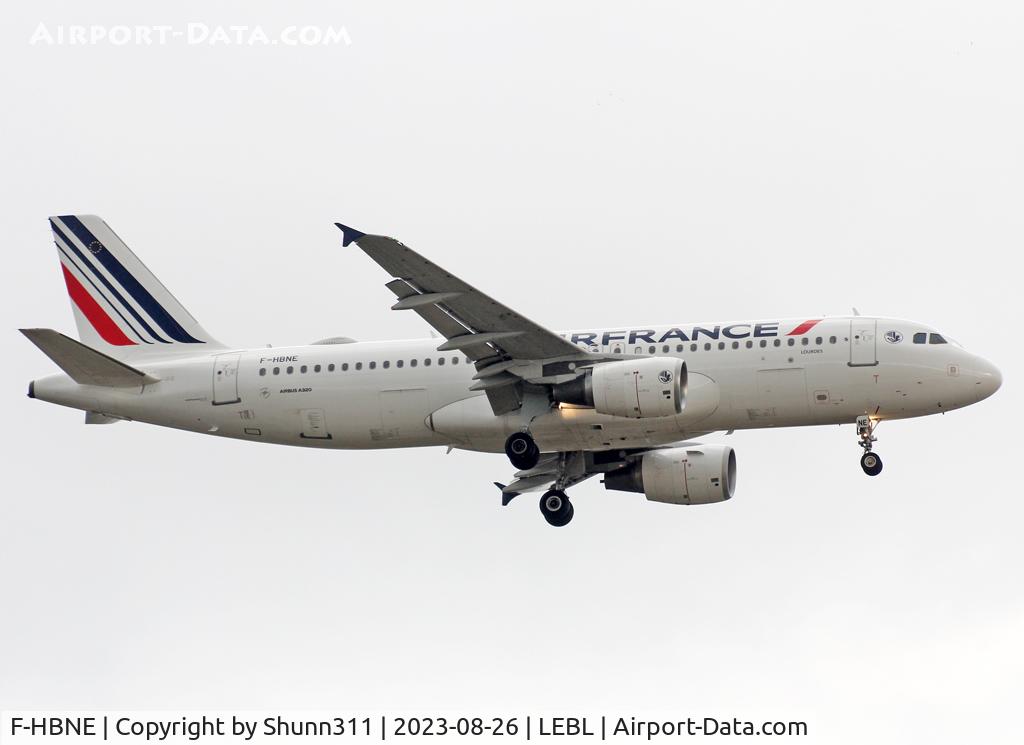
{"points": [[522, 451], [871, 463], [556, 508]]}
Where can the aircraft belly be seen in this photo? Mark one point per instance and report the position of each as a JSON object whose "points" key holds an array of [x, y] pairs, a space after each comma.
{"points": [[471, 424]]}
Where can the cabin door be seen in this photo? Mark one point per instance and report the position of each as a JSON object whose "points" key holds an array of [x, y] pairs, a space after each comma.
{"points": [[862, 342], [225, 379]]}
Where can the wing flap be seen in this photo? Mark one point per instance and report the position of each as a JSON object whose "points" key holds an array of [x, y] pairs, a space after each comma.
{"points": [[94, 417], [504, 400]]}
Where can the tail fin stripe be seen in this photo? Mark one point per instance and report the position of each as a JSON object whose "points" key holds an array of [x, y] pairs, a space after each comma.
{"points": [[103, 323], [134, 288], [72, 264], [106, 283]]}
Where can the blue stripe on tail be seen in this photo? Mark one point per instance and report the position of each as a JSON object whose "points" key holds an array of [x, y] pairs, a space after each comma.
{"points": [[127, 280], [99, 292], [106, 283]]}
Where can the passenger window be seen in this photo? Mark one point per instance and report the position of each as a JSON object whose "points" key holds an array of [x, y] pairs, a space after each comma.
{"points": [[920, 337], [344, 367], [316, 368], [679, 347], [707, 346], [263, 371], [303, 369], [721, 345], [831, 340], [290, 369], [693, 347], [936, 339], [359, 366], [735, 345], [412, 363], [455, 360], [400, 363], [277, 371], [440, 360], [791, 341], [385, 364], [778, 342], [764, 343], [750, 344], [653, 349], [373, 365], [805, 341], [818, 341], [426, 362]]}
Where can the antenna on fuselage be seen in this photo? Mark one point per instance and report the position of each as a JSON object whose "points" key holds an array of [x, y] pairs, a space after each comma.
{"points": [[855, 311]]}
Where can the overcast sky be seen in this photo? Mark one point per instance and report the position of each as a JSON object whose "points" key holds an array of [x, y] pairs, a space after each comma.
{"points": [[589, 165]]}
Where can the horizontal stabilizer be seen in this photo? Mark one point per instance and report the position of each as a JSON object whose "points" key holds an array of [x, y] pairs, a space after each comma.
{"points": [[85, 365]]}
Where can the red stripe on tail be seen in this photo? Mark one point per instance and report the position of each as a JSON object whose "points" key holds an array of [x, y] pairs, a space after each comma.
{"points": [[804, 327], [103, 323]]}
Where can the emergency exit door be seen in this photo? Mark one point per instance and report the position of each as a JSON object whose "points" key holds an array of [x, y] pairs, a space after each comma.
{"points": [[863, 341], [225, 379]]}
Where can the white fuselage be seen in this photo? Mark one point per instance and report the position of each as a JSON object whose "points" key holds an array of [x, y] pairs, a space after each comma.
{"points": [[407, 394]]}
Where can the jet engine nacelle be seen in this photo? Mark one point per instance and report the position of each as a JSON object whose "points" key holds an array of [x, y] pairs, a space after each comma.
{"points": [[649, 387], [698, 474]]}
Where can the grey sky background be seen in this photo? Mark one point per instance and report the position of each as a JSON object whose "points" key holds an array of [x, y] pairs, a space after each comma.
{"points": [[590, 165]]}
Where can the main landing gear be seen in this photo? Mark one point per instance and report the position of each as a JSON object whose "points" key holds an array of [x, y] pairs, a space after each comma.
{"points": [[556, 508], [557, 472], [870, 462], [522, 451]]}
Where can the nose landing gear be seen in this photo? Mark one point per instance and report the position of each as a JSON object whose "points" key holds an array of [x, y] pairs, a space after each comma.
{"points": [[870, 462], [556, 508]]}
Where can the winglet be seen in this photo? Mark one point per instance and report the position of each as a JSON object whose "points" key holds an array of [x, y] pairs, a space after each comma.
{"points": [[506, 496], [348, 235]]}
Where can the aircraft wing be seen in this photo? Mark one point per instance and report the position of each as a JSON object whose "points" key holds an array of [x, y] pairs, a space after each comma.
{"points": [[507, 347], [565, 468]]}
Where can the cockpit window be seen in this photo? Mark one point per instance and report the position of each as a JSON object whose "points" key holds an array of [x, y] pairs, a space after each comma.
{"points": [[920, 337], [936, 339]]}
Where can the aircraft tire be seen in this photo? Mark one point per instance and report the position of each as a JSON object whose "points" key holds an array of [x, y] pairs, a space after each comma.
{"points": [[871, 464], [522, 451], [556, 508]]}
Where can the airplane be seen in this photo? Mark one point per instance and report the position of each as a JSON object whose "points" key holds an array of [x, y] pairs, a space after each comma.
{"points": [[624, 403]]}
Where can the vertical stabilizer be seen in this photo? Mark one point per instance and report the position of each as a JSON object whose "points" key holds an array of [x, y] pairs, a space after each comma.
{"points": [[120, 307]]}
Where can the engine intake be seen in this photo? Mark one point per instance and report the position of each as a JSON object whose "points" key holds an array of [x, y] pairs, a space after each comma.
{"points": [[649, 387], [701, 474]]}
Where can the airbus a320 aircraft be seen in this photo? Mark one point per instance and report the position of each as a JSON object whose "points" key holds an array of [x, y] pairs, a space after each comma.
{"points": [[625, 403]]}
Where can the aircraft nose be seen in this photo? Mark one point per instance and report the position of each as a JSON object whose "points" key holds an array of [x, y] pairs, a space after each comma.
{"points": [[988, 378]]}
